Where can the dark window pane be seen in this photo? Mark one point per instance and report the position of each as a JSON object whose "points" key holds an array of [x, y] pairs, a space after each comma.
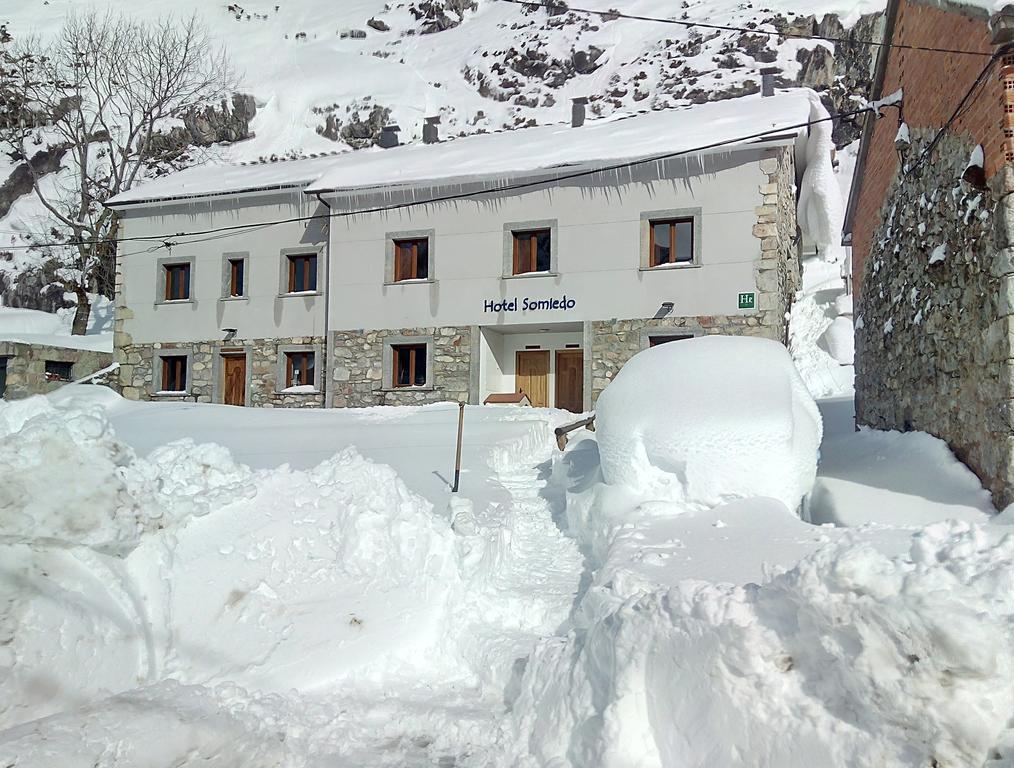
{"points": [[302, 273], [174, 374], [542, 261], [684, 241], [661, 234], [236, 288], [422, 259], [177, 282], [3, 375], [420, 367], [57, 370]]}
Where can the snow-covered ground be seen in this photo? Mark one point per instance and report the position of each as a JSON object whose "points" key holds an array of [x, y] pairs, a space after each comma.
{"points": [[307, 592]]}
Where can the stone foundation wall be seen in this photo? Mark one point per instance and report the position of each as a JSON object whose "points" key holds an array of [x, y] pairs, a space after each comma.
{"points": [[934, 319], [26, 367], [138, 371], [778, 273], [358, 367], [614, 342]]}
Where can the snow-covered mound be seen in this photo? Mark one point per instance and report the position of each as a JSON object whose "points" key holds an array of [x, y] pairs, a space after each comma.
{"points": [[120, 570], [710, 419], [53, 329], [850, 658]]}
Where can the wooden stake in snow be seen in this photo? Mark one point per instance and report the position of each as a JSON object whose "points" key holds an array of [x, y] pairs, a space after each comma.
{"points": [[457, 453]]}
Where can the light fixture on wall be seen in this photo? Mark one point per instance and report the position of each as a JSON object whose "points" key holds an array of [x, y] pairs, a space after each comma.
{"points": [[664, 310], [229, 333]]}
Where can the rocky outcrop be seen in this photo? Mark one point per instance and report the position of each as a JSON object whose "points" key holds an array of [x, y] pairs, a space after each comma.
{"points": [[440, 15], [225, 123], [20, 181], [357, 131]]}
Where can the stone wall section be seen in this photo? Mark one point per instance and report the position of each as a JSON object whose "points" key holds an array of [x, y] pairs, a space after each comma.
{"points": [[933, 85], [26, 367], [138, 363], [934, 320], [358, 367], [778, 272]]}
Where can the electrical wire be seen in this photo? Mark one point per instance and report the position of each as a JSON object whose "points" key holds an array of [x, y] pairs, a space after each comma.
{"points": [[168, 240], [960, 109], [730, 28]]}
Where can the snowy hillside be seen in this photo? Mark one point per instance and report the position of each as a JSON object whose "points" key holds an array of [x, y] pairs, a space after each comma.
{"points": [[325, 76]]}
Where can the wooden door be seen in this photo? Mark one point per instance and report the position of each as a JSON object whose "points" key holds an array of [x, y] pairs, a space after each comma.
{"points": [[531, 376], [570, 380], [234, 374]]}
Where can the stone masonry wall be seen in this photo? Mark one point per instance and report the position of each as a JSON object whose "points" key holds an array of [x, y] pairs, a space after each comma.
{"points": [[138, 371], [358, 370], [26, 367], [934, 319]]}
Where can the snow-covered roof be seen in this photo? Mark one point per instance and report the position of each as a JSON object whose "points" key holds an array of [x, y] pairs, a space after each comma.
{"points": [[520, 152], [206, 180], [30, 326]]}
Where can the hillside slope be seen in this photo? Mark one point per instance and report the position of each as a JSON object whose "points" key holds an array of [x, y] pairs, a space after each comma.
{"points": [[323, 76]]}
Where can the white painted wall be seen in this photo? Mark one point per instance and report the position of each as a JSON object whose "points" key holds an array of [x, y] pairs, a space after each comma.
{"points": [[599, 252], [264, 314]]}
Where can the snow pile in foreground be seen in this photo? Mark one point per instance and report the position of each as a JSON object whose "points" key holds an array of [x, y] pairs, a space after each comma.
{"points": [[67, 478], [710, 419], [850, 658], [118, 571]]}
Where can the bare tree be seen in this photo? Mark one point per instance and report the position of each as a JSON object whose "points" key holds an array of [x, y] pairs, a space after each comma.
{"points": [[102, 90]]}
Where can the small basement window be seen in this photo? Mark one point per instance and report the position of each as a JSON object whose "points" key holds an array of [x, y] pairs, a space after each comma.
{"points": [[58, 370], [411, 259], [409, 365], [654, 341], [299, 369], [671, 242], [237, 277], [532, 251], [303, 273], [174, 373], [3, 375], [177, 282]]}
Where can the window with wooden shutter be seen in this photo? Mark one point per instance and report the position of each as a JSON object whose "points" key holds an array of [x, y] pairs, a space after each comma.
{"points": [[411, 259], [532, 251], [671, 241], [303, 273], [237, 277], [409, 369], [174, 373], [299, 369], [177, 282]]}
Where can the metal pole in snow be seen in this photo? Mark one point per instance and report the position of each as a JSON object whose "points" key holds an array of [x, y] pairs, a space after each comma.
{"points": [[457, 454]]}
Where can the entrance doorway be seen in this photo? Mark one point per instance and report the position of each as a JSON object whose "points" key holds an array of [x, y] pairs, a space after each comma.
{"points": [[570, 380], [531, 369], [234, 379]]}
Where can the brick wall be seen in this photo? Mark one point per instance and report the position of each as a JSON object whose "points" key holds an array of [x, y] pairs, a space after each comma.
{"points": [[933, 85]]}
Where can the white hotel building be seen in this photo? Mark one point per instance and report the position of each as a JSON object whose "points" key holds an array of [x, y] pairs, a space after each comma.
{"points": [[537, 260]]}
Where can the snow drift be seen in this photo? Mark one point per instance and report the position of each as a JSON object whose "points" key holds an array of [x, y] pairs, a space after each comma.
{"points": [[850, 658], [706, 420]]}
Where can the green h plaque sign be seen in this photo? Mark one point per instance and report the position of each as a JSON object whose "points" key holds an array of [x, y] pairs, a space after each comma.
{"points": [[748, 301]]}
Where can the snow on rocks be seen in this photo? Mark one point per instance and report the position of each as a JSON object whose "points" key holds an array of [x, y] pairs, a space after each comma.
{"points": [[708, 420]]}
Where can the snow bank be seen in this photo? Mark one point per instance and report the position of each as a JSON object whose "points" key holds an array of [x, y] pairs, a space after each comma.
{"points": [[850, 658], [321, 573], [710, 419], [68, 479], [30, 326]]}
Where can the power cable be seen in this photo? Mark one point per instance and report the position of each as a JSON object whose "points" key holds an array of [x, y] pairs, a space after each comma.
{"points": [[963, 105], [168, 239], [731, 28]]}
